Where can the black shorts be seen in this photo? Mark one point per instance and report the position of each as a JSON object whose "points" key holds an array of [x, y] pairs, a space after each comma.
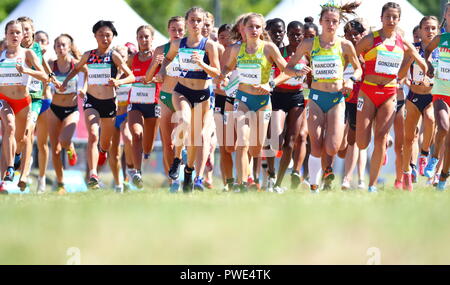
{"points": [[219, 104], [106, 108], [420, 100], [63, 112], [350, 114], [287, 100], [400, 104], [147, 110], [193, 96]]}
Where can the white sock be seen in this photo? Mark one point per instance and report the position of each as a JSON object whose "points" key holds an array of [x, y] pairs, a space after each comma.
{"points": [[315, 170], [93, 172]]}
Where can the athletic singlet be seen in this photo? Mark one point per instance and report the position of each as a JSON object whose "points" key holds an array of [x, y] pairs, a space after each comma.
{"points": [[100, 68], [141, 93], [417, 74], [8, 71], [190, 69], [327, 64], [173, 69], [383, 60], [60, 76], [442, 79], [254, 68], [295, 83], [36, 85]]}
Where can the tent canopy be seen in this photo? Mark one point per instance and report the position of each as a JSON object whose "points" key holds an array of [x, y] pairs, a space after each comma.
{"points": [[370, 10], [78, 17]]}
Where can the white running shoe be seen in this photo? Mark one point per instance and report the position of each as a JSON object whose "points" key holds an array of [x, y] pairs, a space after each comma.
{"points": [[118, 188], [271, 184], [345, 185], [362, 185], [279, 189], [41, 185]]}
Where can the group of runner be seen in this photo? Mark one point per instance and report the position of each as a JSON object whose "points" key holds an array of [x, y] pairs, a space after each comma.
{"points": [[248, 92]]}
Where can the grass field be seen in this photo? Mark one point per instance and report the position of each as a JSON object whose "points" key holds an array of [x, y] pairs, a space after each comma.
{"points": [[155, 227]]}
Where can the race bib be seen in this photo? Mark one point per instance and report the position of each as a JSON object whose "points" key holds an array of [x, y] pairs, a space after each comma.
{"points": [[173, 69], [122, 92], [326, 66], [186, 63], [388, 62], [349, 72], [35, 85], [296, 81], [360, 104], [249, 73], [418, 75], [70, 88], [444, 69], [9, 74], [99, 74], [233, 85], [143, 93]]}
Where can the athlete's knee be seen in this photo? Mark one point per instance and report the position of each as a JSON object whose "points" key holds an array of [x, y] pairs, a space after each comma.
{"points": [[255, 151]]}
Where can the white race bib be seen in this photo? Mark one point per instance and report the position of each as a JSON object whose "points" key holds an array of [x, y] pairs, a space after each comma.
{"points": [[35, 85], [349, 72], [71, 87], [296, 81], [326, 66], [173, 69], [143, 93], [9, 74], [122, 92], [418, 75], [249, 73], [99, 74], [233, 85], [388, 62], [444, 69], [186, 63]]}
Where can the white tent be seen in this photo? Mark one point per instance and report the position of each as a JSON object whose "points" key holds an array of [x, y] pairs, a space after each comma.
{"points": [[77, 18], [297, 10]]}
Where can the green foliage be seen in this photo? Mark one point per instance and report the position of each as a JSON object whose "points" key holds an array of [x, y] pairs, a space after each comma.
{"points": [[428, 7], [6, 7], [157, 13]]}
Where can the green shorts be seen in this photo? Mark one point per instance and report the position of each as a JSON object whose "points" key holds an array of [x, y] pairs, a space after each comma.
{"points": [[166, 98]]}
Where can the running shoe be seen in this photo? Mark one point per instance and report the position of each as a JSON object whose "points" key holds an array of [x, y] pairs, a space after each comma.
{"points": [[314, 189], [435, 180], [423, 161], [41, 185], [243, 188], [430, 169], [174, 187], [372, 189], [398, 184], [118, 188], [345, 184], [361, 185], [328, 177], [295, 180], [9, 175], [279, 189], [208, 184], [271, 184], [3, 188], [441, 185], [60, 189], [414, 174], [407, 182], [188, 186], [17, 160], [72, 156], [198, 184], [174, 171], [102, 156], [93, 182], [137, 180]]}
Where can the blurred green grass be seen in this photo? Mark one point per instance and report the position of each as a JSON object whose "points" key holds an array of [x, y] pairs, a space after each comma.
{"points": [[155, 227]]}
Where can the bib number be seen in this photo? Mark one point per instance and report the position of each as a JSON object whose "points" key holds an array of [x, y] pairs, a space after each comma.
{"points": [[249, 74], [326, 67], [9, 75], [388, 62], [186, 63], [122, 93], [296, 81], [360, 104], [143, 93], [444, 69], [233, 85], [99, 74]]}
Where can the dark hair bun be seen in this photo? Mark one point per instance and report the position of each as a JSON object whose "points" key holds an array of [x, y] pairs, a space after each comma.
{"points": [[309, 19]]}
